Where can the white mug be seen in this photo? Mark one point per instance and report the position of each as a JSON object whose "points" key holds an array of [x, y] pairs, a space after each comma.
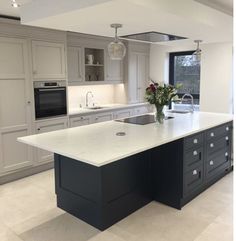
{"points": [[90, 58]]}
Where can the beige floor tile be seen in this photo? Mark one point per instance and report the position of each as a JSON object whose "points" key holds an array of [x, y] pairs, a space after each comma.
{"points": [[61, 228], [30, 214], [217, 232]]}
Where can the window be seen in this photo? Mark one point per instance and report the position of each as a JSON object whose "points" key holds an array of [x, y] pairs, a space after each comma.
{"points": [[184, 69]]}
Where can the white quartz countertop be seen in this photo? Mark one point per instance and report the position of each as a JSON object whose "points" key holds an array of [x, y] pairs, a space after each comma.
{"points": [[98, 144], [106, 107]]}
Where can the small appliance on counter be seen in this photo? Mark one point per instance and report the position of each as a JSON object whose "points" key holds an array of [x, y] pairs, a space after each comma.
{"points": [[49, 98]]}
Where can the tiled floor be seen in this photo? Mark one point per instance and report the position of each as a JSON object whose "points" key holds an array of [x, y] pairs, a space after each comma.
{"points": [[28, 212]]}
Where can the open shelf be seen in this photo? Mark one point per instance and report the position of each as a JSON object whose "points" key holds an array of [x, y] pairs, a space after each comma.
{"points": [[94, 65]]}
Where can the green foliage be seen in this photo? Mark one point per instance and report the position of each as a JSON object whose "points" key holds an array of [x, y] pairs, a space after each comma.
{"points": [[160, 95]]}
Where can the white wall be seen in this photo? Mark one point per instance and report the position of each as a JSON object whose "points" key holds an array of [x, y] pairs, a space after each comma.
{"points": [[103, 94], [216, 73], [216, 78]]}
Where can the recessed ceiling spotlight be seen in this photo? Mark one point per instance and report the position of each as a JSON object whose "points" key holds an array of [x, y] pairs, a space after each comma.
{"points": [[15, 4]]}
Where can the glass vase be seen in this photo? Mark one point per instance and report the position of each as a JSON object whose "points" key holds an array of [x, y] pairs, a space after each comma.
{"points": [[160, 116]]}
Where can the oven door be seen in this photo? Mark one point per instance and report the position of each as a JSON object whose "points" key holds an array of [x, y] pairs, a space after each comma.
{"points": [[50, 102]]}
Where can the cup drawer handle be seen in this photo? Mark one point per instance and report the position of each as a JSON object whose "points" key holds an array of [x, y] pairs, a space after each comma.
{"points": [[212, 134], [195, 141], [212, 145], [211, 163], [227, 128], [195, 153]]}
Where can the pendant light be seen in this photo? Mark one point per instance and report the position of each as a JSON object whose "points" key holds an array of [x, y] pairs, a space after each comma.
{"points": [[197, 53], [116, 49], [14, 4]]}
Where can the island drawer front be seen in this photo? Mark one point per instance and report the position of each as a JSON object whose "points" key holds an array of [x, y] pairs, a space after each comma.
{"points": [[217, 162], [193, 158], [218, 144], [193, 141], [219, 131], [193, 179]]}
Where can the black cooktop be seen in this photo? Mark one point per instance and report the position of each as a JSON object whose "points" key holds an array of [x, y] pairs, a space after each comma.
{"points": [[140, 120]]}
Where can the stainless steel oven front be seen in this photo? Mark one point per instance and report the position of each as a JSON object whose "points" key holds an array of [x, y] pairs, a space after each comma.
{"points": [[49, 98]]}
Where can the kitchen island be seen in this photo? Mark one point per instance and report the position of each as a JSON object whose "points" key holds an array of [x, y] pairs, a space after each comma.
{"points": [[102, 176]]}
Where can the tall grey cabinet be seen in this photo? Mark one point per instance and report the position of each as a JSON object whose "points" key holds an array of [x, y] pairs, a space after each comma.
{"points": [[15, 104], [137, 71]]}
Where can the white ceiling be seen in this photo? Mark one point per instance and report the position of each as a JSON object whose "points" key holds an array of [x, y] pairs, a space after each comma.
{"points": [[7, 9], [225, 6], [187, 18]]}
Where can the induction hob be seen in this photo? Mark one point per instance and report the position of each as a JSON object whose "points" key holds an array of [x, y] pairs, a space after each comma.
{"points": [[141, 119]]}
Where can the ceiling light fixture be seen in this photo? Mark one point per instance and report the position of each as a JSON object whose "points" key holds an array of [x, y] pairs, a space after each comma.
{"points": [[116, 49], [197, 53], [15, 4]]}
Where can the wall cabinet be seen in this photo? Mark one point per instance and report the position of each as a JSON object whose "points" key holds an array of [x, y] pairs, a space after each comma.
{"points": [[114, 69], [75, 64], [43, 156], [138, 76], [15, 105], [48, 60], [137, 71]]}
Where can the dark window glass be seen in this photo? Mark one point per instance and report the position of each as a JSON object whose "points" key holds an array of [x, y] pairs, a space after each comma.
{"points": [[185, 69]]}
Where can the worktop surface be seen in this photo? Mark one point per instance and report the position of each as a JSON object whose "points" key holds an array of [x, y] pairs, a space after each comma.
{"points": [[98, 144]]}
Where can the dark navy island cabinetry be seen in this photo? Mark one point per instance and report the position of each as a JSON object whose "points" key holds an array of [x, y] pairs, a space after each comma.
{"points": [[193, 164], [173, 173]]}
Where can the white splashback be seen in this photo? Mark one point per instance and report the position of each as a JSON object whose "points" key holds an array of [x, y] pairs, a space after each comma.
{"points": [[103, 94]]}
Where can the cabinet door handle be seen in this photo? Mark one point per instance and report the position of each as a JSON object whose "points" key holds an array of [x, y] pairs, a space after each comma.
{"points": [[194, 172], [212, 134], [227, 140], [81, 117], [96, 118], [212, 145], [211, 163], [227, 128], [227, 156], [195, 153], [38, 129], [200, 156], [195, 141]]}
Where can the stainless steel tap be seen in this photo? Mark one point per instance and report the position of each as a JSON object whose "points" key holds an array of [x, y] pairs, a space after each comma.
{"points": [[188, 95], [86, 98]]}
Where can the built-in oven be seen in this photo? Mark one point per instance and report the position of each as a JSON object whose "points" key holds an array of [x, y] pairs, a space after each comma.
{"points": [[49, 98]]}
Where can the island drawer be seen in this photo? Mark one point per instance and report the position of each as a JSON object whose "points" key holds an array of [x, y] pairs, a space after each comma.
{"points": [[219, 131], [217, 144], [193, 141], [193, 158], [217, 162], [193, 179]]}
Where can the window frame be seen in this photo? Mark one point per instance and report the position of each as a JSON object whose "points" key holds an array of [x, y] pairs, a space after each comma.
{"points": [[172, 56]]}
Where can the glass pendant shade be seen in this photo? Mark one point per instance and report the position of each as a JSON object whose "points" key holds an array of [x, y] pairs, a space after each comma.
{"points": [[197, 54], [116, 49]]}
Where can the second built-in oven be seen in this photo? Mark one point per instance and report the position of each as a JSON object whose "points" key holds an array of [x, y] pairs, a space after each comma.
{"points": [[49, 98]]}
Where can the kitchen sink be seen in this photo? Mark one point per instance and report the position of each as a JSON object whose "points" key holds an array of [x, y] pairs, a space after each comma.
{"points": [[179, 111], [95, 108]]}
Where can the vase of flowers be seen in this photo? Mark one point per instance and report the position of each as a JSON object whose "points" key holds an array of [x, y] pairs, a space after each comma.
{"points": [[160, 95]]}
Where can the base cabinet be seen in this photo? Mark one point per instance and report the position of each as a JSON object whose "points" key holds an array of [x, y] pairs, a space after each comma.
{"points": [[172, 174], [43, 156], [193, 164]]}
